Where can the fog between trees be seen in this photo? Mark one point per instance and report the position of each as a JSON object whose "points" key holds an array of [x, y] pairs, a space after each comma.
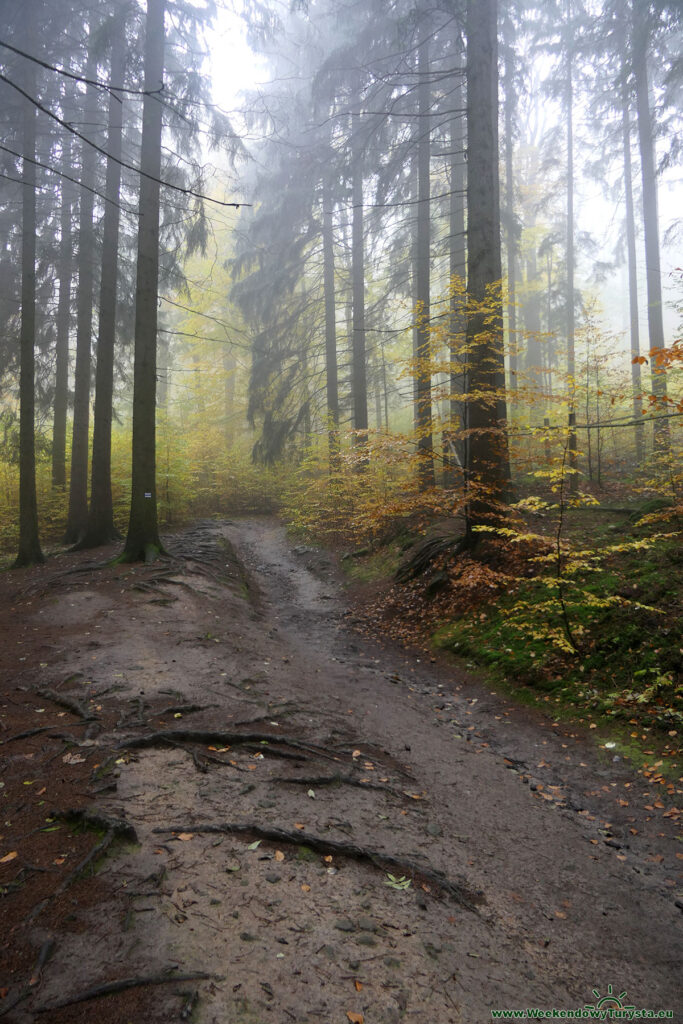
{"points": [[383, 272]]}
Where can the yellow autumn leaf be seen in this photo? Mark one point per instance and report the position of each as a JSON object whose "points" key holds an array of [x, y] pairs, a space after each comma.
{"points": [[8, 857], [305, 888], [279, 855], [184, 836]]}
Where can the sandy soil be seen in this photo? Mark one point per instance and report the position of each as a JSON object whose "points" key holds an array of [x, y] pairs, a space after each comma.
{"points": [[279, 770]]}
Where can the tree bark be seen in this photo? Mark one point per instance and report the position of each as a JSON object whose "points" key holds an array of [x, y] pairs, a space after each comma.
{"points": [[331, 376], [359, 367], [77, 518], [458, 275], [651, 223], [632, 283], [63, 325], [100, 527], [30, 552], [488, 458], [571, 326], [423, 277], [142, 541], [511, 241]]}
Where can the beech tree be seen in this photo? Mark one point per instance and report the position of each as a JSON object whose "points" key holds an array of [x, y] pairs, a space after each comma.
{"points": [[487, 455]]}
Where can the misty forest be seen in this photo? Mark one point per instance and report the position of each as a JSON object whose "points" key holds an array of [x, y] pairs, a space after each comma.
{"points": [[341, 448]]}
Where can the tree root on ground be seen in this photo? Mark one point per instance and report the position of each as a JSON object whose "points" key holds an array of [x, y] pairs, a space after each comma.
{"points": [[46, 951], [115, 828], [70, 703], [25, 735], [457, 891], [94, 819], [337, 780], [265, 741], [426, 553], [111, 987]]}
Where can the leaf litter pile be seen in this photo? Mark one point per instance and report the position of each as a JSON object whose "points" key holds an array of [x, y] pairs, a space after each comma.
{"points": [[216, 807]]}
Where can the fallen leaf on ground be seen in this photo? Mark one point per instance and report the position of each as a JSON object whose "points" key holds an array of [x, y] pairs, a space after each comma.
{"points": [[358, 984], [8, 857], [279, 855], [355, 1018], [184, 836], [73, 759], [305, 888], [297, 824], [356, 753]]}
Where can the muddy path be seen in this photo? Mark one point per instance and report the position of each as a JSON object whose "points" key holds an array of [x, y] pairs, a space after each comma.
{"points": [[327, 827]]}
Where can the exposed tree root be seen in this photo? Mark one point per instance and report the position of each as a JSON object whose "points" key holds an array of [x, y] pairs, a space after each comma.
{"points": [[111, 987], [46, 951], [424, 554], [265, 741], [70, 703], [465, 897], [94, 819], [189, 1005], [25, 735], [198, 763], [337, 780], [115, 828]]}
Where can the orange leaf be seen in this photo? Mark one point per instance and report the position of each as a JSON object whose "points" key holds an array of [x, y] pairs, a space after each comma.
{"points": [[297, 824], [356, 753], [305, 888], [279, 855], [185, 836], [328, 859], [355, 1018], [560, 913], [8, 857], [358, 984]]}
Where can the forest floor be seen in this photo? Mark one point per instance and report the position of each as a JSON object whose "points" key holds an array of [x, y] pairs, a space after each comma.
{"points": [[224, 802]]}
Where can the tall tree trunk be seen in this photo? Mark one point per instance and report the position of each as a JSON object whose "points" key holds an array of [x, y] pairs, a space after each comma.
{"points": [[77, 518], [30, 551], [229, 369], [359, 361], [458, 273], [331, 376], [63, 325], [422, 276], [511, 240], [632, 282], [143, 540], [488, 458], [650, 222], [571, 327], [100, 527]]}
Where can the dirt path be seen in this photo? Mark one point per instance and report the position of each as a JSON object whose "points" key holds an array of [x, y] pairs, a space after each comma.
{"points": [[227, 691]]}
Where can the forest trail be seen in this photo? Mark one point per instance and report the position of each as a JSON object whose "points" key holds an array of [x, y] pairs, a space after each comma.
{"points": [[227, 687]]}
